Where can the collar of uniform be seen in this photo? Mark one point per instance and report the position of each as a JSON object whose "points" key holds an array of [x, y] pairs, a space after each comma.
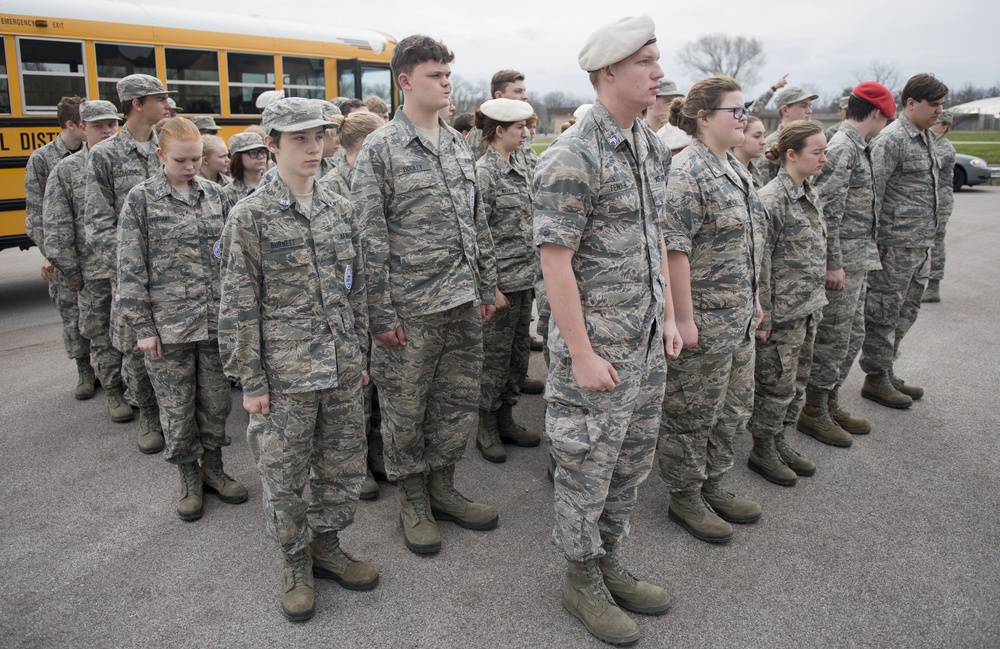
{"points": [[276, 191], [410, 131], [713, 161], [853, 135], [494, 158], [129, 142], [161, 186], [909, 127], [608, 127], [788, 183], [60, 146]]}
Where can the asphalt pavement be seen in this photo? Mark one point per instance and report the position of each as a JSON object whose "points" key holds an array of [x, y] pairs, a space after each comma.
{"points": [[894, 542]]}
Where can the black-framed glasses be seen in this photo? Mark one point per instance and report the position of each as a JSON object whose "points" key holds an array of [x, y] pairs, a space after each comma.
{"points": [[256, 153], [739, 112]]}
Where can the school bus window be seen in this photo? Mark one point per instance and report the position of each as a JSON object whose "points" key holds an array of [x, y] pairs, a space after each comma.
{"points": [[377, 81], [50, 70], [249, 75], [303, 77], [345, 83], [4, 88], [194, 74], [115, 61]]}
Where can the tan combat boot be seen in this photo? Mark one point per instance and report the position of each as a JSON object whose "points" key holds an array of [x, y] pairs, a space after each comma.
{"points": [[298, 587], [688, 509], [369, 488], [879, 388], [191, 503], [792, 458], [727, 505], [587, 598], [150, 434], [216, 480], [510, 432], [853, 425], [447, 504], [915, 392], [628, 592], [420, 531], [85, 379], [764, 459], [815, 420], [331, 562], [933, 291], [120, 411], [488, 438]]}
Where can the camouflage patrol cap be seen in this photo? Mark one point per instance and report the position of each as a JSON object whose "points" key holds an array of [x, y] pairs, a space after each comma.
{"points": [[95, 111], [842, 102], [137, 86], [293, 114], [245, 142], [792, 95], [205, 123], [946, 117], [329, 109], [668, 88], [173, 104]]}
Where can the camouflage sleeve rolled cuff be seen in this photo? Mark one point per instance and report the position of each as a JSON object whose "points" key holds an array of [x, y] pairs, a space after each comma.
{"points": [[562, 201]]}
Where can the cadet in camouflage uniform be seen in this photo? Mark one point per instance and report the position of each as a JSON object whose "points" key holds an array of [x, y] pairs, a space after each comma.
{"points": [[247, 163], [946, 202], [760, 104], [714, 235], [293, 329], [115, 166], [432, 283], [215, 161], [793, 104], [599, 195], [331, 138], [62, 292], [505, 205], [168, 290], [850, 210], [355, 128], [66, 245], [906, 177], [792, 278]]}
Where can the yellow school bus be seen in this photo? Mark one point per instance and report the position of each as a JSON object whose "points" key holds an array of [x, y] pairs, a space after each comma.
{"points": [[217, 63]]}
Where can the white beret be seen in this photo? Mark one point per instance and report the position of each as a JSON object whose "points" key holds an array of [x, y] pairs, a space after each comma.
{"points": [[673, 137], [615, 41], [507, 110], [268, 97]]}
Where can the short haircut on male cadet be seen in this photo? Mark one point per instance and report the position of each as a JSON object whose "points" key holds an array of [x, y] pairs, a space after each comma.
{"points": [[68, 110], [858, 109], [923, 87], [501, 79], [414, 50]]}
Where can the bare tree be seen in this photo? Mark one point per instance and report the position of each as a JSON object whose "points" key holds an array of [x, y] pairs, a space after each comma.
{"points": [[468, 95], [739, 57], [884, 72]]}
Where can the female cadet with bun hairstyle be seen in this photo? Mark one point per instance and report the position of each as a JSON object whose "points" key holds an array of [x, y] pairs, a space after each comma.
{"points": [[713, 234], [505, 205], [169, 287], [792, 295]]}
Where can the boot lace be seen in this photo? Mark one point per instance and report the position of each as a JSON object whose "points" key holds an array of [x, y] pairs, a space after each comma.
{"points": [[297, 564], [417, 497]]}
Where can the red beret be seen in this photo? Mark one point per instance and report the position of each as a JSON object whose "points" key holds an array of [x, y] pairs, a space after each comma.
{"points": [[878, 96]]}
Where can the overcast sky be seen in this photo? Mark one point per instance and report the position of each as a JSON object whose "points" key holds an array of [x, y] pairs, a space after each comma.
{"points": [[822, 44]]}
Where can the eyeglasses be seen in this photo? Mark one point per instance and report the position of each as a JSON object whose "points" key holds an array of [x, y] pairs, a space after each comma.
{"points": [[738, 112], [256, 153]]}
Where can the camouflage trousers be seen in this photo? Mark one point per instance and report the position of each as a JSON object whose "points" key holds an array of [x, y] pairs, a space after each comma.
{"points": [[506, 349], [140, 391], [707, 403], [429, 390], [544, 315], [316, 438], [94, 301], [891, 305], [65, 300], [840, 332], [192, 392], [780, 375], [603, 444], [938, 251]]}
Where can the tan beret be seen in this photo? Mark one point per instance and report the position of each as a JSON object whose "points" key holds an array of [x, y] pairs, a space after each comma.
{"points": [[615, 41], [507, 110]]}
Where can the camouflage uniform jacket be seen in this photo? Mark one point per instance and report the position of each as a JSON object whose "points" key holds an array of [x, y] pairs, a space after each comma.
{"points": [[716, 218], [36, 174], [593, 195], [850, 205], [234, 192], [832, 130], [793, 267], [114, 167], [169, 257], [338, 179], [63, 232], [946, 176], [426, 251], [224, 179], [293, 316], [760, 103], [906, 177], [505, 205], [525, 157]]}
